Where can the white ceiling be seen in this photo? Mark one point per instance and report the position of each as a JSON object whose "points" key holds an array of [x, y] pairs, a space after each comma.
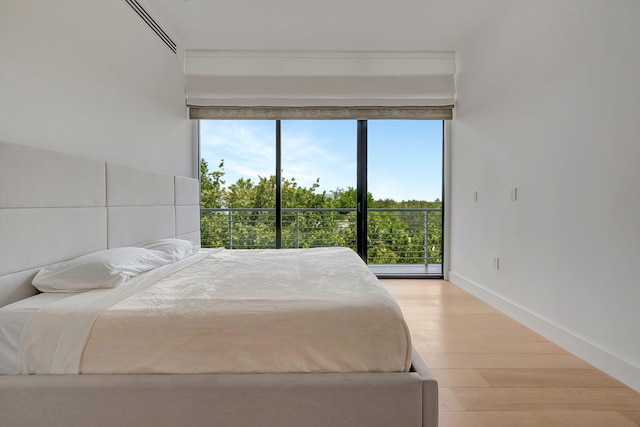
{"points": [[425, 25]]}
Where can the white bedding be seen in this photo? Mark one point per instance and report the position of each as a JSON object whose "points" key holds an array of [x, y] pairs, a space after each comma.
{"points": [[233, 311], [13, 318]]}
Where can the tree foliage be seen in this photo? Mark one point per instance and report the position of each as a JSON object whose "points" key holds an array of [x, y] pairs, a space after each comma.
{"points": [[243, 216]]}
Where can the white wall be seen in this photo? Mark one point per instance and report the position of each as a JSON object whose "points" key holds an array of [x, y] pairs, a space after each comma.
{"points": [[548, 101], [91, 79]]}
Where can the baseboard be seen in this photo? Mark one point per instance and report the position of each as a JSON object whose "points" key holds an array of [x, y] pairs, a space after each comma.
{"points": [[589, 352]]}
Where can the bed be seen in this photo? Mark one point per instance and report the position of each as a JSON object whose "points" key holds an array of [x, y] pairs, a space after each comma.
{"points": [[67, 207]]}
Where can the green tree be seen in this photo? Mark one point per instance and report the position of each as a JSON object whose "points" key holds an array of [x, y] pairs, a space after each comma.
{"points": [[212, 191], [312, 218]]}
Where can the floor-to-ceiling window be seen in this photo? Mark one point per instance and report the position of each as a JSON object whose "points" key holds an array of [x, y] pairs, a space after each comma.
{"points": [[375, 186]]}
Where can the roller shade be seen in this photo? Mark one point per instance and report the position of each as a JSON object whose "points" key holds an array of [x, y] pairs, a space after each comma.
{"points": [[277, 84]]}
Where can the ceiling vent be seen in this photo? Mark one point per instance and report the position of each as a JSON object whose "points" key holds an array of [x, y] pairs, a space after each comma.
{"points": [[152, 24]]}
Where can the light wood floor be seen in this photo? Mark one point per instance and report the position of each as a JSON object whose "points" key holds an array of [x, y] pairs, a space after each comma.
{"points": [[492, 371]]}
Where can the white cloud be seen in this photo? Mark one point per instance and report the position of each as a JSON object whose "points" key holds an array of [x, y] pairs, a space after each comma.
{"points": [[309, 157], [247, 148]]}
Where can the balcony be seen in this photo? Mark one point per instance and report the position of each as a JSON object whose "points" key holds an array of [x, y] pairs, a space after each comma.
{"points": [[402, 241]]}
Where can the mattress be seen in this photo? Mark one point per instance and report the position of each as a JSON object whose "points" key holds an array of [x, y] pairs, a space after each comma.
{"points": [[230, 311]]}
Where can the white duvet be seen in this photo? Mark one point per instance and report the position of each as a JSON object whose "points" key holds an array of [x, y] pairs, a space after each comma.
{"points": [[230, 311]]}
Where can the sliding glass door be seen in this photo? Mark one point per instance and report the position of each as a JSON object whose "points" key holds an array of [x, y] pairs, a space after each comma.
{"points": [[405, 179]]}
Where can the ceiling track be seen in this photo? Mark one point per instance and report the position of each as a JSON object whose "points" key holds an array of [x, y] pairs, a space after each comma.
{"points": [[142, 13]]}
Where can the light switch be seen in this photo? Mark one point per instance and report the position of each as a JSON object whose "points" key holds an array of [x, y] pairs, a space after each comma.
{"points": [[514, 194]]}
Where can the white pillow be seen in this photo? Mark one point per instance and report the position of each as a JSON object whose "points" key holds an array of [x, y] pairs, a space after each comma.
{"points": [[103, 269], [175, 249]]}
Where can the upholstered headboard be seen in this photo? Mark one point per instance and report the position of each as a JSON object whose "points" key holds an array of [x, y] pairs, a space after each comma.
{"points": [[55, 207]]}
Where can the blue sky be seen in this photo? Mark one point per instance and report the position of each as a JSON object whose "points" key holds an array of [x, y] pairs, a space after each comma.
{"points": [[405, 156]]}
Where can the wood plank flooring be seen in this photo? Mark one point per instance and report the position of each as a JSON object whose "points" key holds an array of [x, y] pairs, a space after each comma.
{"points": [[493, 371]]}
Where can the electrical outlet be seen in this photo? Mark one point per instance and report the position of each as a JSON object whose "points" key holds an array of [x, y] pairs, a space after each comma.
{"points": [[496, 262]]}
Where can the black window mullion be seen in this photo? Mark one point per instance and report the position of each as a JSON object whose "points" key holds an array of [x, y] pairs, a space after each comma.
{"points": [[361, 191], [278, 185]]}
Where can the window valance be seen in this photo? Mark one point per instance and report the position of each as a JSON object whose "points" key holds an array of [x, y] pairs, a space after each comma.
{"points": [[296, 84]]}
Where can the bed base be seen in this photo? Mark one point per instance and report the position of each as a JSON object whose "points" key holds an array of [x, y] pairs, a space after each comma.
{"points": [[278, 400]]}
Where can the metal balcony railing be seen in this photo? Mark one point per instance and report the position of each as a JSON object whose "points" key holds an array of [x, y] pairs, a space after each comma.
{"points": [[395, 235]]}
